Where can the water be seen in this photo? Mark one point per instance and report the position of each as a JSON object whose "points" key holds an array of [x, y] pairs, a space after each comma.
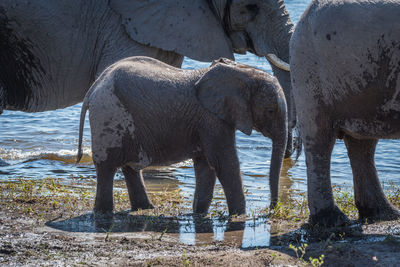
{"points": [[40, 145]]}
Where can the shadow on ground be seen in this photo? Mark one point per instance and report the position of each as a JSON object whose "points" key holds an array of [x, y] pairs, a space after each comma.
{"points": [[189, 229], [355, 244]]}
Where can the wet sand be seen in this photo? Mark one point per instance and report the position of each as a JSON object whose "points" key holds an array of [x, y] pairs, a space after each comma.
{"points": [[50, 224], [24, 241]]}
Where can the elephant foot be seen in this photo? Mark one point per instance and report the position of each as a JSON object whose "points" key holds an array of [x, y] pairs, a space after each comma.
{"points": [[331, 224], [201, 207], [330, 217], [144, 206], [238, 211], [200, 210], [387, 213], [103, 209]]}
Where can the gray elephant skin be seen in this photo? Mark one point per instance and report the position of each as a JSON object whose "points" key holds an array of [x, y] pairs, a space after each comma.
{"points": [[52, 51], [144, 112], [345, 62]]}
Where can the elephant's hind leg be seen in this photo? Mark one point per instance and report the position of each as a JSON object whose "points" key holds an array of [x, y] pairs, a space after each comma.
{"points": [[205, 182], [136, 189], [104, 192], [323, 210], [369, 197]]}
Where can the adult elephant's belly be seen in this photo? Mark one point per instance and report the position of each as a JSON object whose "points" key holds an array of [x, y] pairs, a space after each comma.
{"points": [[373, 129], [370, 107], [42, 98]]}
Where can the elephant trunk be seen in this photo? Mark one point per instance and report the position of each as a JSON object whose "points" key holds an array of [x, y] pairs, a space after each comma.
{"points": [[278, 149], [282, 32]]}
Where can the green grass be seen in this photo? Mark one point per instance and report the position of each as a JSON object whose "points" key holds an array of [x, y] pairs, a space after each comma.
{"points": [[40, 198], [49, 196], [296, 209]]}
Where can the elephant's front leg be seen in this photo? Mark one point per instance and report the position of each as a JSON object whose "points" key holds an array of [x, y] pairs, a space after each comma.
{"points": [[322, 206], [226, 165], [369, 197], [136, 189], [205, 182]]}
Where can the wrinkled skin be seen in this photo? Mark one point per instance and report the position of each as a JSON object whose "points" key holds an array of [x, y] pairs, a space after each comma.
{"points": [[346, 81], [144, 112], [52, 51]]}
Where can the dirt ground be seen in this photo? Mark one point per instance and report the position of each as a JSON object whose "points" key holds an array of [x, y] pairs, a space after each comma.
{"points": [[41, 230]]}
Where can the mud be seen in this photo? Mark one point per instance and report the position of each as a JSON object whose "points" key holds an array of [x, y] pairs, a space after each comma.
{"points": [[58, 229]]}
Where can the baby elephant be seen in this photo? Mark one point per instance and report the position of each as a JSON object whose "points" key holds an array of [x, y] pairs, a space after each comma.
{"points": [[144, 113]]}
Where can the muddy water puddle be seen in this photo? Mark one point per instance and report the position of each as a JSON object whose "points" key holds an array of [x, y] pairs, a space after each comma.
{"points": [[187, 229], [171, 218], [252, 230]]}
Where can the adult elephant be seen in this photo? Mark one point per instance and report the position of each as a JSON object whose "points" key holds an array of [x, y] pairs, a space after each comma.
{"points": [[345, 61], [51, 51]]}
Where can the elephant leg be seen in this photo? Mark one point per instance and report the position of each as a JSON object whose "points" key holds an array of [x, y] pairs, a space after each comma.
{"points": [[205, 182], [136, 189], [230, 178], [104, 192], [369, 197], [323, 210], [226, 165]]}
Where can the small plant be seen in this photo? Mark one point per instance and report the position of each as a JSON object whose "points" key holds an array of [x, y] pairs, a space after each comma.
{"points": [[282, 211], [301, 252], [275, 257], [55, 204], [108, 232], [162, 234], [393, 193], [316, 262], [27, 210], [185, 260], [345, 200], [85, 194]]}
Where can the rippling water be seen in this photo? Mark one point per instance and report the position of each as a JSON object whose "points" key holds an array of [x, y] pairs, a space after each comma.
{"points": [[39, 145]]}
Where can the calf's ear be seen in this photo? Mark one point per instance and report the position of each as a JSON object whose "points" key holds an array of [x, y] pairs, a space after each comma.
{"points": [[224, 91]]}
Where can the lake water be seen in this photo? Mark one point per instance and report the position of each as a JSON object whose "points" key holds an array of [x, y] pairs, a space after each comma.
{"points": [[40, 145]]}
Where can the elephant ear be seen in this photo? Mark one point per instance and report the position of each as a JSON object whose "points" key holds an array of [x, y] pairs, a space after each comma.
{"points": [[186, 27], [223, 91]]}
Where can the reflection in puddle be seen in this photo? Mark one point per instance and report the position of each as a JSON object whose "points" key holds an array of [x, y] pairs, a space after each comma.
{"points": [[188, 229], [256, 234], [250, 233]]}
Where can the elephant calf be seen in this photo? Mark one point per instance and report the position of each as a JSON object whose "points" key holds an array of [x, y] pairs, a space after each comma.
{"points": [[144, 112]]}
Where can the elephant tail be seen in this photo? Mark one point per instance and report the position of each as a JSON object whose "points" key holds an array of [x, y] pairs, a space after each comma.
{"points": [[84, 108]]}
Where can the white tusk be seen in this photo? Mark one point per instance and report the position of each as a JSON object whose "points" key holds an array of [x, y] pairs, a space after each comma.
{"points": [[272, 58]]}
